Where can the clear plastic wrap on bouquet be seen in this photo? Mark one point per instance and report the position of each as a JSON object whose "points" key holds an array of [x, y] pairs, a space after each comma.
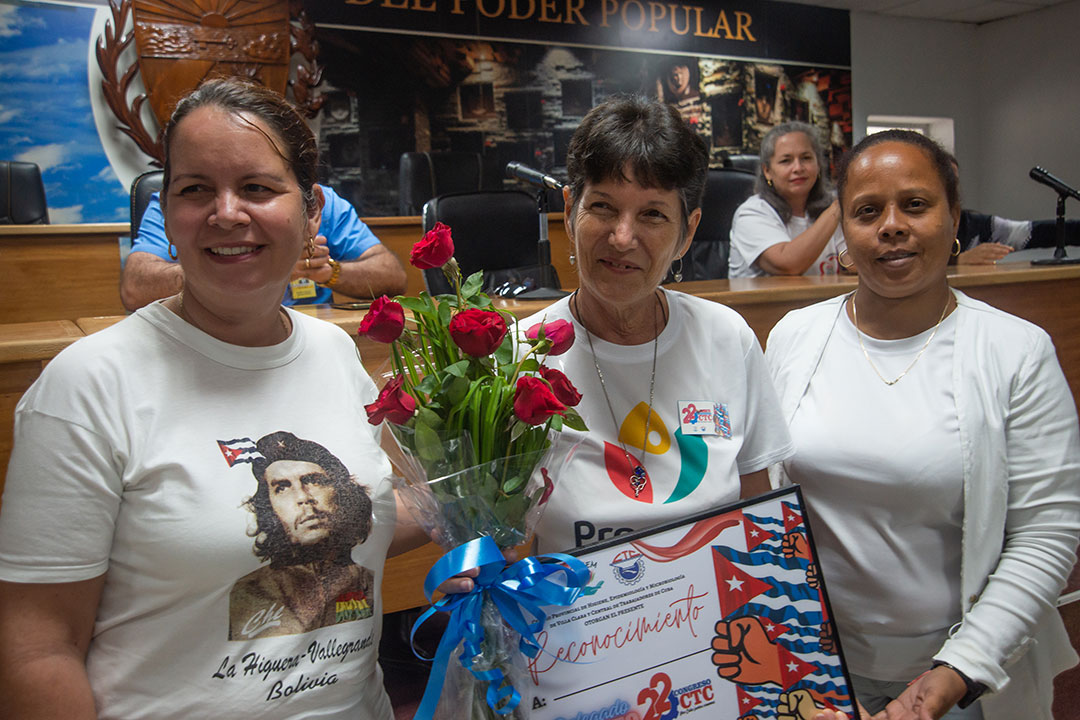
{"points": [[502, 499]]}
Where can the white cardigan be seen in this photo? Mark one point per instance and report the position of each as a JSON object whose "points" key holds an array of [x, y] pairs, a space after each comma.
{"points": [[1021, 468]]}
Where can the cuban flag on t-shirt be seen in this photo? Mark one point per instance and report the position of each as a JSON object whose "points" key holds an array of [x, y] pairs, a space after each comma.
{"points": [[241, 450]]}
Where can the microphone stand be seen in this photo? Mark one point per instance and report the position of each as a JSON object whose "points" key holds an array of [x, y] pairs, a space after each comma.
{"points": [[1060, 257], [548, 289]]}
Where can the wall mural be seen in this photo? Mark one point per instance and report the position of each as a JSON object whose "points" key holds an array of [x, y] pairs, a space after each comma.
{"points": [[45, 111], [423, 76], [390, 91]]}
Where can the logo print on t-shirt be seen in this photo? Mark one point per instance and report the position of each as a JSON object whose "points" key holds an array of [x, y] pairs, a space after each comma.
{"points": [[692, 451], [309, 514]]}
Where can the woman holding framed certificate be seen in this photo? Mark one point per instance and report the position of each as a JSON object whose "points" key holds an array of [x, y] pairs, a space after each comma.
{"points": [[938, 450]]}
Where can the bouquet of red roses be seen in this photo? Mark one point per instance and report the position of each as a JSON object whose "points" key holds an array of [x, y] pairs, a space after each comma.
{"points": [[476, 416]]}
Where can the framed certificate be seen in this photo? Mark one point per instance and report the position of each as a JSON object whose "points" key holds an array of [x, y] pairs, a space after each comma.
{"points": [[724, 613]]}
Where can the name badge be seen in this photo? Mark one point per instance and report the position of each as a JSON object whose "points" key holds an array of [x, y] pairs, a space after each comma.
{"points": [[696, 417], [302, 289], [704, 417]]}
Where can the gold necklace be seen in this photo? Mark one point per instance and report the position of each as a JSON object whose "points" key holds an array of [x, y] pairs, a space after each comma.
{"points": [[858, 334], [180, 311], [638, 479]]}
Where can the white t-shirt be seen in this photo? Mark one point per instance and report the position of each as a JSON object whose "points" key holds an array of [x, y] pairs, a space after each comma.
{"points": [[756, 227], [706, 353], [117, 469], [883, 479]]}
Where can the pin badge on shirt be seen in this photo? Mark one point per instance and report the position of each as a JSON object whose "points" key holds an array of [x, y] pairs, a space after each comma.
{"points": [[723, 421], [696, 417], [703, 417], [302, 288]]}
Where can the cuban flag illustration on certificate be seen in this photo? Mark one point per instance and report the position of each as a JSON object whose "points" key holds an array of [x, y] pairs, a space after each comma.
{"points": [[724, 614]]}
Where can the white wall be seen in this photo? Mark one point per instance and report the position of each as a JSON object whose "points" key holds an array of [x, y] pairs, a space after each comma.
{"points": [[1012, 87], [1029, 94], [905, 66]]}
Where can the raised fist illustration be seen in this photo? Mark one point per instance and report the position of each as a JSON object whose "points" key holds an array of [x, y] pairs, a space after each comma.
{"points": [[797, 705], [795, 546], [743, 653]]}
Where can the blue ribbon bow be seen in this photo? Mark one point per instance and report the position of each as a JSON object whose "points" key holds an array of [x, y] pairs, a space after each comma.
{"points": [[517, 590]]}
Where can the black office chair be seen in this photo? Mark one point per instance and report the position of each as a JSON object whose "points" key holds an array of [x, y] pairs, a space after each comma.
{"points": [[725, 190], [142, 188], [424, 175], [496, 231], [22, 194], [749, 163]]}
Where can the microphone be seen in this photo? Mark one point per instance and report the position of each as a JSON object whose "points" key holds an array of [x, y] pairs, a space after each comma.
{"points": [[533, 177], [1041, 176]]}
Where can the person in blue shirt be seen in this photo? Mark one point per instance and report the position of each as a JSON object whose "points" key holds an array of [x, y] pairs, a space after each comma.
{"points": [[345, 257]]}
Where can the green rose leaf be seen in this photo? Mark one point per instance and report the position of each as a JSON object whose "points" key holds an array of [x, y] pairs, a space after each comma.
{"points": [[429, 418], [459, 368], [456, 391], [514, 483], [416, 304], [472, 285], [573, 420], [428, 385], [428, 445]]}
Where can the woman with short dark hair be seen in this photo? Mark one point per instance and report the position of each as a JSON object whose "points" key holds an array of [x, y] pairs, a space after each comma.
{"points": [[790, 226], [636, 176]]}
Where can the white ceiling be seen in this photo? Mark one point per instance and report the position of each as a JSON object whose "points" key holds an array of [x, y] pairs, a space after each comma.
{"points": [[969, 11]]}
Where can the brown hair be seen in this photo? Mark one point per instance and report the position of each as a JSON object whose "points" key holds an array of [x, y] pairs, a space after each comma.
{"points": [[649, 137], [295, 141]]}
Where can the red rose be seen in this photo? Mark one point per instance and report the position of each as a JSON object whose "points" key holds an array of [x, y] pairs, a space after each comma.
{"points": [[384, 321], [434, 249], [562, 387], [478, 332], [559, 332], [534, 402], [393, 404]]}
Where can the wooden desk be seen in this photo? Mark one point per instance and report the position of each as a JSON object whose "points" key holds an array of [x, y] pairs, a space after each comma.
{"points": [[60, 272], [63, 272], [1047, 296]]}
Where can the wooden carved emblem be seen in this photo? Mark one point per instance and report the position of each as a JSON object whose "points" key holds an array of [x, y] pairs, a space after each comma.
{"points": [[182, 42]]}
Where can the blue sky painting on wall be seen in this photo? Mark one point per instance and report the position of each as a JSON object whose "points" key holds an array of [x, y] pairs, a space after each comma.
{"points": [[45, 113]]}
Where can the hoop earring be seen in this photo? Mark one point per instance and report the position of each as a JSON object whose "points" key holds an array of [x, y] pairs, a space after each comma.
{"points": [[173, 252], [677, 272], [840, 261], [956, 247]]}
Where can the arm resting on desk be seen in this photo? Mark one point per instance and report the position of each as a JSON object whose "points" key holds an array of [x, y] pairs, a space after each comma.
{"points": [[376, 272], [147, 278]]}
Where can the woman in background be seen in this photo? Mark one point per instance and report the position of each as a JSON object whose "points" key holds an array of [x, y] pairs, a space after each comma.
{"points": [[790, 226], [937, 446]]}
